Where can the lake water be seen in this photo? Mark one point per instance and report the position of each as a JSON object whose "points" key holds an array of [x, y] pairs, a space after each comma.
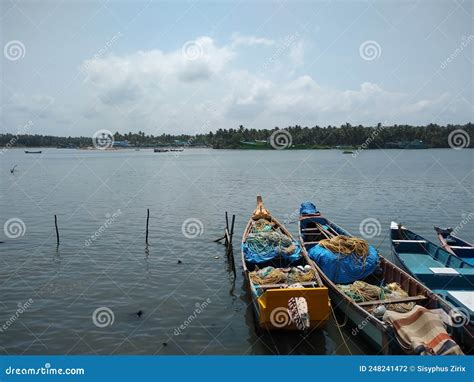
{"points": [[101, 198]]}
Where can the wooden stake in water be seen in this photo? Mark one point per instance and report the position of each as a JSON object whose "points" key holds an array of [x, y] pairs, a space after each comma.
{"points": [[56, 226], [147, 221]]}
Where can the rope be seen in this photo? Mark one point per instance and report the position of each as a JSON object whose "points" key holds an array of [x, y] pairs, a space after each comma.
{"points": [[361, 291], [346, 245], [339, 329], [270, 275]]}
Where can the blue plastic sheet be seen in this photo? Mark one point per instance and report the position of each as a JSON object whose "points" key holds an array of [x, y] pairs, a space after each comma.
{"points": [[344, 269], [308, 208]]}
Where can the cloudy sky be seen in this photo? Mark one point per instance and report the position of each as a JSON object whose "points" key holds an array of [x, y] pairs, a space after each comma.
{"points": [[72, 67]]}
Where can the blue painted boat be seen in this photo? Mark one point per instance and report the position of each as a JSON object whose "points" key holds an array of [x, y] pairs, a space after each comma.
{"points": [[443, 272], [313, 227], [455, 245]]}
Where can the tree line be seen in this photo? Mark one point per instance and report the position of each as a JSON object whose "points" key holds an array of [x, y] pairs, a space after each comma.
{"points": [[348, 135]]}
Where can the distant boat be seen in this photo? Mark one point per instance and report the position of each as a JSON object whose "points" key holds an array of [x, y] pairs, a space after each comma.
{"points": [[455, 245], [177, 150], [348, 152], [160, 150], [33, 152]]}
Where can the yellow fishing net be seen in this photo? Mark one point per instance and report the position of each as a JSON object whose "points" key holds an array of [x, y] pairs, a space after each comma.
{"points": [[346, 245]]}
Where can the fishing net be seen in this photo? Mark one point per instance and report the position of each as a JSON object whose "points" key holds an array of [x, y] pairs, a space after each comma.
{"points": [[361, 291], [265, 243], [346, 245], [271, 275]]}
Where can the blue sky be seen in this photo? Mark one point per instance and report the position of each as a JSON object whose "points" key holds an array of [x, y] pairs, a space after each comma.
{"points": [[188, 67]]}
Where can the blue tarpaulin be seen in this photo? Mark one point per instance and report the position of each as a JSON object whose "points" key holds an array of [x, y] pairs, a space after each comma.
{"points": [[344, 269]]}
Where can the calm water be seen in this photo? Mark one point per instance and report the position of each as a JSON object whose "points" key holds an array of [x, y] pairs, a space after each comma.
{"points": [[420, 188]]}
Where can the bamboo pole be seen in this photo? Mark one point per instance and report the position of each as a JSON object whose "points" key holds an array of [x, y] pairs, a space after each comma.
{"points": [[147, 222], [56, 226]]}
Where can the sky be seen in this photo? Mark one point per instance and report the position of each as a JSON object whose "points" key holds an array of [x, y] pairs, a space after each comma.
{"points": [[72, 67]]}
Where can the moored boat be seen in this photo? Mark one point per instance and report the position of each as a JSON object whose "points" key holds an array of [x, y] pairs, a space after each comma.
{"points": [[156, 150], [446, 274], [397, 290], [455, 245], [286, 291], [33, 152]]}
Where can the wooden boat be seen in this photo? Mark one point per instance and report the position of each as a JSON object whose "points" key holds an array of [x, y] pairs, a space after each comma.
{"points": [[447, 275], [160, 150], [33, 152], [455, 245], [275, 304], [314, 228]]}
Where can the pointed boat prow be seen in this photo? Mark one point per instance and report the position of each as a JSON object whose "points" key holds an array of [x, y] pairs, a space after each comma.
{"points": [[260, 211]]}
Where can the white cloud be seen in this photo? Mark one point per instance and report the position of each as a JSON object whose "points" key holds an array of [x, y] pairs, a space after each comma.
{"points": [[165, 92]]}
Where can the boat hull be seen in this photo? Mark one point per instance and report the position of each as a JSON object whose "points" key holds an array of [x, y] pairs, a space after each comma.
{"points": [[271, 303]]}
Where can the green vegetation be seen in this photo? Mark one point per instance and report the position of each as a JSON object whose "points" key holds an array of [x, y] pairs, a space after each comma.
{"points": [[343, 137]]}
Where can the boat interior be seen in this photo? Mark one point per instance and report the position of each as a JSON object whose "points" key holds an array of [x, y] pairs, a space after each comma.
{"points": [[314, 229], [430, 263]]}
